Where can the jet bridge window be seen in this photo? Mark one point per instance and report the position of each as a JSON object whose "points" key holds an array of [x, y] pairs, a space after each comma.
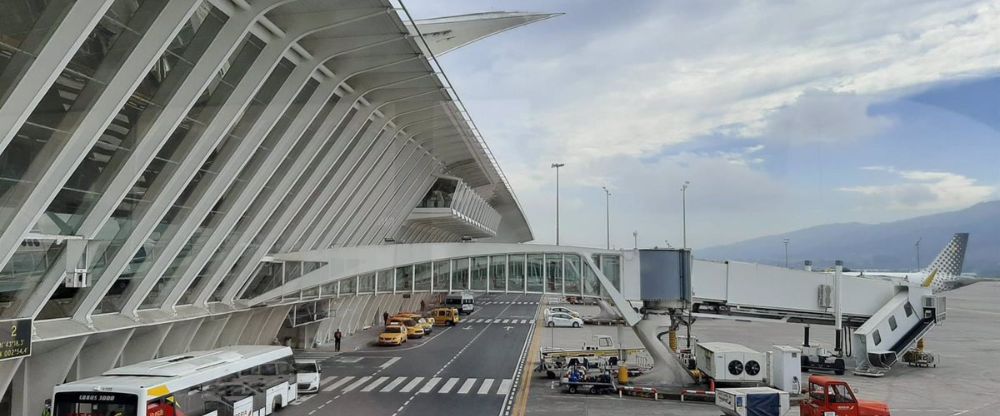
{"points": [[877, 337], [908, 308], [892, 323]]}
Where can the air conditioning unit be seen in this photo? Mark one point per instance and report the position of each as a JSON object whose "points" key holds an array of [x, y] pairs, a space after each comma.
{"points": [[731, 363], [77, 278], [824, 296]]}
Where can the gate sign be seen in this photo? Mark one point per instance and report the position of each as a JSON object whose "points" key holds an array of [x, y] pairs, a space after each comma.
{"points": [[15, 338]]}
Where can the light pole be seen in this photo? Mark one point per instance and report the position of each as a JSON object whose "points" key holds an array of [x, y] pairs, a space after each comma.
{"points": [[607, 215], [917, 245], [635, 239], [557, 166], [786, 253], [684, 220]]}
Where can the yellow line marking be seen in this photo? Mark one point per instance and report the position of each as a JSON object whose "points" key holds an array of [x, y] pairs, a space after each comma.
{"points": [[520, 408]]}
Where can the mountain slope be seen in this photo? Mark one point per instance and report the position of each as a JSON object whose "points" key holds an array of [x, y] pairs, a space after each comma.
{"points": [[879, 246]]}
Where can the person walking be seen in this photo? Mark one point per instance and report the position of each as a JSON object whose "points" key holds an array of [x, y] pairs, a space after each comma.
{"points": [[385, 318], [422, 305], [336, 339]]}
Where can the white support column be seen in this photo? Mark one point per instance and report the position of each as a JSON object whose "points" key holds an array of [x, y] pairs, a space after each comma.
{"points": [[8, 368], [209, 333], [216, 131], [415, 157], [47, 174], [44, 369], [145, 343], [421, 163], [407, 204], [151, 141], [180, 337], [396, 210], [102, 352], [363, 185], [37, 76]]}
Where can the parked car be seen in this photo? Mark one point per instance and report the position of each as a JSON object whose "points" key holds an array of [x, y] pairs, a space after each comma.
{"points": [[394, 334], [307, 375], [559, 309], [563, 319]]}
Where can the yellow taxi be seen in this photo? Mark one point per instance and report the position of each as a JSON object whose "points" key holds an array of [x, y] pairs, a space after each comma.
{"points": [[413, 329], [445, 316], [394, 334], [426, 324]]}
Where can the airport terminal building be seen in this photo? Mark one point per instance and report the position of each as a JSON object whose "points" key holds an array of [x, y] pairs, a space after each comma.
{"points": [[170, 170]]}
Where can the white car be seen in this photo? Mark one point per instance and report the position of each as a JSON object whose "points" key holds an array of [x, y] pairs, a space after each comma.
{"points": [[307, 375], [560, 309], [563, 319]]}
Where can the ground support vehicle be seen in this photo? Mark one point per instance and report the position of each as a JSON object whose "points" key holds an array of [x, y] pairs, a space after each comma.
{"points": [[581, 379], [828, 396], [445, 316], [818, 358], [752, 401], [554, 362]]}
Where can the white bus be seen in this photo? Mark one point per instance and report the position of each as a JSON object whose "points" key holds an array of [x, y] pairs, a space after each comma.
{"points": [[241, 380], [464, 302]]}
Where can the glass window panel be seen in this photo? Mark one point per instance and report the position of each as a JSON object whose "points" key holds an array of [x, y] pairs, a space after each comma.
{"points": [[611, 267], [591, 286], [553, 273], [422, 276], [384, 281], [348, 286], [404, 278], [442, 275], [498, 272], [25, 26], [536, 273], [479, 271], [572, 273], [366, 283], [267, 277], [515, 266], [460, 274]]}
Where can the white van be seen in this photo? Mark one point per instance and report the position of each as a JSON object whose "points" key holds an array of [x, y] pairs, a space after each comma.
{"points": [[464, 302], [307, 375]]}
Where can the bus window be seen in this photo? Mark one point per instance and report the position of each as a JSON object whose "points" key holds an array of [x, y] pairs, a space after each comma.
{"points": [[96, 404]]}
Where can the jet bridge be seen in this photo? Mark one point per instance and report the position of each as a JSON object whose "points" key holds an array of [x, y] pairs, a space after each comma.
{"points": [[888, 315]]}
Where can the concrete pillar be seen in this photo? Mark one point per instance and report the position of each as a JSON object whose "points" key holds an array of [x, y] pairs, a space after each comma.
{"points": [[180, 337], [144, 344], [234, 327], [7, 370], [209, 332], [269, 328], [101, 353]]}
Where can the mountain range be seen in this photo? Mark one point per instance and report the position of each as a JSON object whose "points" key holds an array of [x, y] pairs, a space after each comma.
{"points": [[882, 246]]}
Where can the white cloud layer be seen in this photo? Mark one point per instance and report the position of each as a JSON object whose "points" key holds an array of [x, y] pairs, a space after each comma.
{"points": [[923, 190]]}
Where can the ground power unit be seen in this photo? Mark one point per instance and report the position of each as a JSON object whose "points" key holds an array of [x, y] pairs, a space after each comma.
{"points": [[731, 363]]}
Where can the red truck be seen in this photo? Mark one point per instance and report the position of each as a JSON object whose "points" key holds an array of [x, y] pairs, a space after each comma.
{"points": [[828, 396]]}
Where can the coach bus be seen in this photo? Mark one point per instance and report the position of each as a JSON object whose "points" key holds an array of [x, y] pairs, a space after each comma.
{"points": [[241, 380]]}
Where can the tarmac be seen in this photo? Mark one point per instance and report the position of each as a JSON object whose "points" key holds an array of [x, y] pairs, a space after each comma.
{"points": [[964, 383]]}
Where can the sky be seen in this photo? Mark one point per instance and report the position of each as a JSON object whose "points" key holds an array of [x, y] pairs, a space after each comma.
{"points": [[782, 115]]}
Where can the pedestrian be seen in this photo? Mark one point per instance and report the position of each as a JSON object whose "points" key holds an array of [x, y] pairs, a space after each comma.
{"points": [[422, 305], [336, 339], [385, 318]]}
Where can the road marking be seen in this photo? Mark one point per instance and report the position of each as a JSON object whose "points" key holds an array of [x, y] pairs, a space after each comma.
{"points": [[504, 386], [469, 382], [375, 384], [485, 388], [390, 362], [326, 380], [448, 385], [430, 385], [411, 385], [339, 383], [506, 321], [392, 386], [357, 384]]}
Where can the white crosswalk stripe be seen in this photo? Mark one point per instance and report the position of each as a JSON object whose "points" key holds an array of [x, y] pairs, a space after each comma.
{"points": [[357, 384], [469, 382], [392, 386], [506, 321], [505, 385], [324, 381], [485, 388], [411, 385], [339, 383], [446, 388], [430, 385], [374, 385]]}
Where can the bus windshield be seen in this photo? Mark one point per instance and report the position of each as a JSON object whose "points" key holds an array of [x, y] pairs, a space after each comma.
{"points": [[453, 301], [95, 404]]}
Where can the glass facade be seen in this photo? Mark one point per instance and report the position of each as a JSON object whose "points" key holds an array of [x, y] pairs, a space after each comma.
{"points": [[404, 278], [515, 269], [498, 273], [422, 277], [536, 273], [571, 273], [553, 273], [442, 275], [479, 272], [460, 274]]}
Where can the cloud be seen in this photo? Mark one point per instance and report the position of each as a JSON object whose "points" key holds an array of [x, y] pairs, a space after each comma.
{"points": [[677, 72], [817, 117], [923, 190]]}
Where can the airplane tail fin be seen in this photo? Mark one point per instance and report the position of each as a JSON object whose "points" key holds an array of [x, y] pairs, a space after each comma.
{"points": [[949, 262]]}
